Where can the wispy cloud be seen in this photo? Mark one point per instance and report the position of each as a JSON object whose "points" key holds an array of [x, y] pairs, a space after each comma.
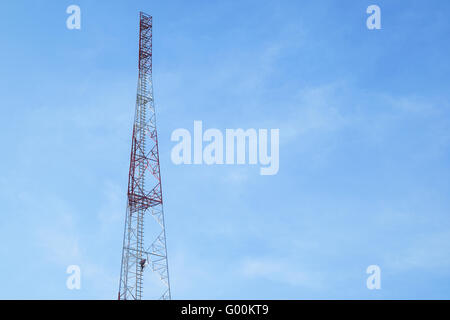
{"points": [[280, 270]]}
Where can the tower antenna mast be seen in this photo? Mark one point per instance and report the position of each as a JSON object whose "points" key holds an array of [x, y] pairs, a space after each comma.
{"points": [[144, 199]]}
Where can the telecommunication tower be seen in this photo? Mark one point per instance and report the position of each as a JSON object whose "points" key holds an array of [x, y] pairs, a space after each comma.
{"points": [[144, 199]]}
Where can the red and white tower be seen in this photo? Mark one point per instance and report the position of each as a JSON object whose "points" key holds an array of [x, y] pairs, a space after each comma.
{"points": [[145, 202]]}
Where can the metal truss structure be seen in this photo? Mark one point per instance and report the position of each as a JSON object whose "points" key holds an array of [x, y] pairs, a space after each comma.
{"points": [[145, 200]]}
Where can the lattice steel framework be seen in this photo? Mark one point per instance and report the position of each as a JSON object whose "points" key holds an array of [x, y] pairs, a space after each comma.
{"points": [[144, 186]]}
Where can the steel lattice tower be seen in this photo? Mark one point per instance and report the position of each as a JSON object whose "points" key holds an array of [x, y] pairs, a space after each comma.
{"points": [[144, 186]]}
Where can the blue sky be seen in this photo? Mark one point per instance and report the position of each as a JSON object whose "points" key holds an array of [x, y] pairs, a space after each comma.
{"points": [[364, 119]]}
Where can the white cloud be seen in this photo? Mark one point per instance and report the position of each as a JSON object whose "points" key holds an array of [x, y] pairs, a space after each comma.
{"points": [[279, 270], [314, 109], [428, 251], [112, 210]]}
